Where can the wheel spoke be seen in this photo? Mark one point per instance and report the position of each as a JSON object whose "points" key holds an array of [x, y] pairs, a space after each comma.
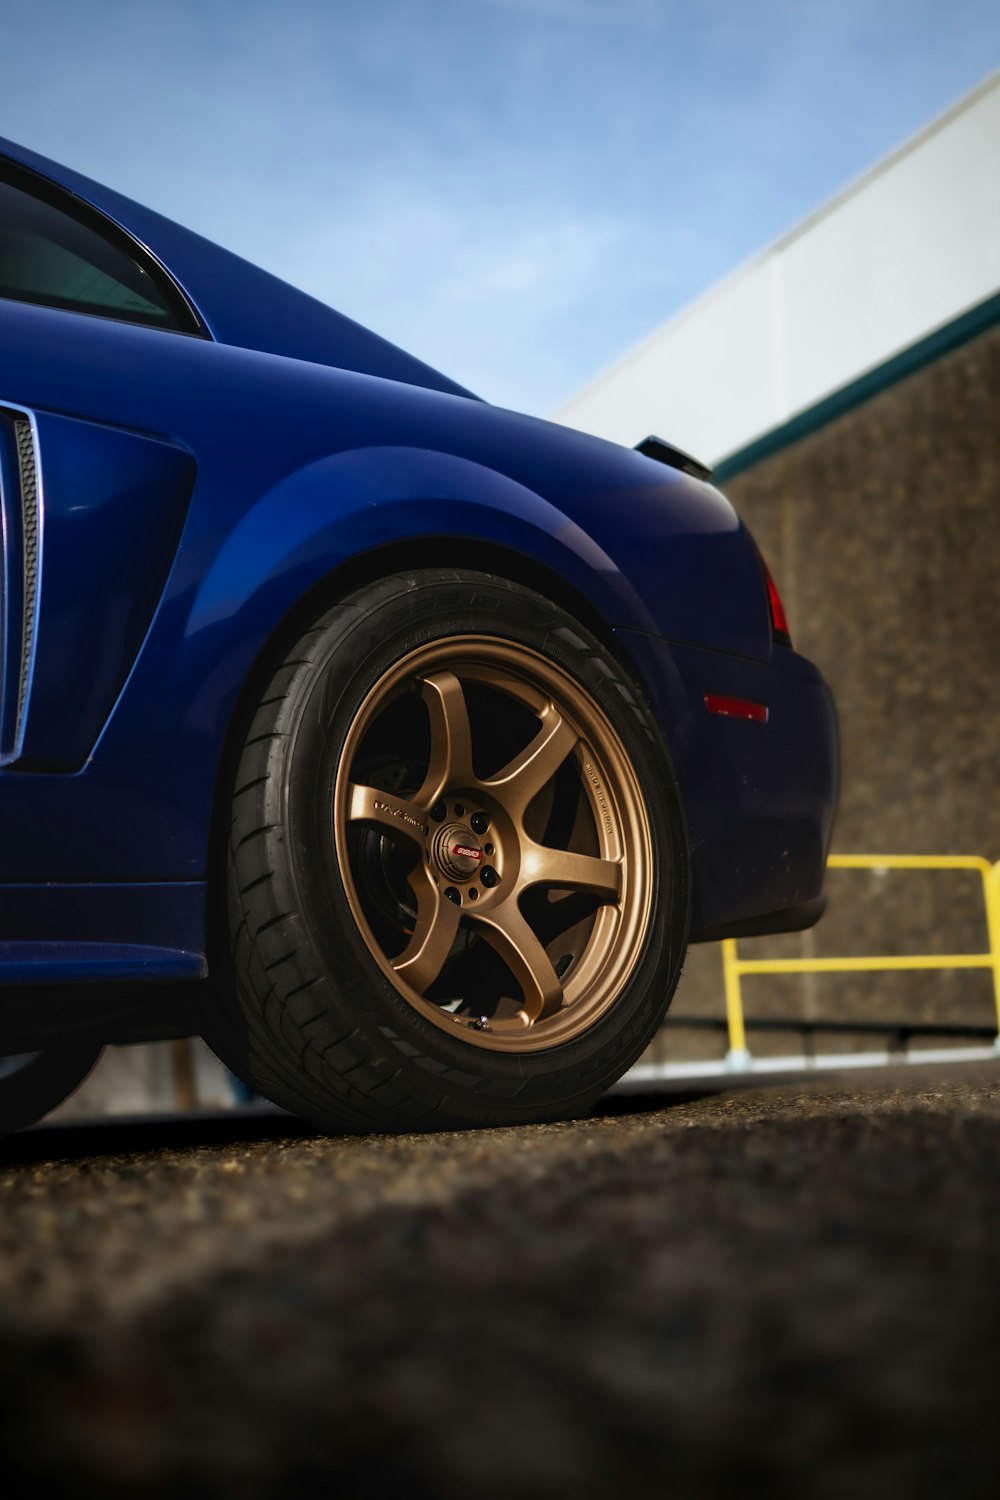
{"points": [[541, 865], [506, 930], [436, 926], [525, 775], [450, 762], [396, 816]]}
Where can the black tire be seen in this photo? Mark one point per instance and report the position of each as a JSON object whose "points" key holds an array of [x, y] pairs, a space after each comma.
{"points": [[325, 1026], [33, 1083]]}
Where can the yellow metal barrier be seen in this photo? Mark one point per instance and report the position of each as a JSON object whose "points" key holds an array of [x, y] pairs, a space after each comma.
{"points": [[734, 967]]}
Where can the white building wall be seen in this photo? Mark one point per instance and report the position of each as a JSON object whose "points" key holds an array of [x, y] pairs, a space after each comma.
{"points": [[904, 251]]}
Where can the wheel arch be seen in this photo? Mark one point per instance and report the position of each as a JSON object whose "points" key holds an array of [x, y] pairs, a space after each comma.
{"points": [[354, 573]]}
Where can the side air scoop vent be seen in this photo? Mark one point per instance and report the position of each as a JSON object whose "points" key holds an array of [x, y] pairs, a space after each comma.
{"points": [[20, 573]]}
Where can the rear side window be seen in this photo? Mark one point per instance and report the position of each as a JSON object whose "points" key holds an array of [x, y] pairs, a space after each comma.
{"points": [[62, 254]]}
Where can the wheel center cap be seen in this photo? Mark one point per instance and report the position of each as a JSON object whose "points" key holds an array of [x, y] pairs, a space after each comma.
{"points": [[457, 851]]}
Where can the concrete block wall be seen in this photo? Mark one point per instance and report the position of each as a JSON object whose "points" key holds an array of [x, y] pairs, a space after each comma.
{"points": [[883, 532]]}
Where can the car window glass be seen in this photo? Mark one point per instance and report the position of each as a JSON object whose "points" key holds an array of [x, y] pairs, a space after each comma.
{"points": [[53, 258]]}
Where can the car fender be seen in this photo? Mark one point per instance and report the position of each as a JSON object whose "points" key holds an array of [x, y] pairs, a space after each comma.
{"points": [[353, 502]]}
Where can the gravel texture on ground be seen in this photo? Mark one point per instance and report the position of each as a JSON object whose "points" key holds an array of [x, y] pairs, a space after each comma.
{"points": [[789, 1290]]}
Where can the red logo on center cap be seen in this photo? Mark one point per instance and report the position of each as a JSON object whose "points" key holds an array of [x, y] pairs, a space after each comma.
{"points": [[466, 852]]}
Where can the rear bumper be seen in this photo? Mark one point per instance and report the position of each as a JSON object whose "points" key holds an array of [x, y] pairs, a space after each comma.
{"points": [[789, 919], [760, 798]]}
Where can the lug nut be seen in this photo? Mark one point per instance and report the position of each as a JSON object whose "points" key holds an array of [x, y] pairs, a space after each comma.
{"points": [[480, 822], [488, 876], [452, 895], [438, 812]]}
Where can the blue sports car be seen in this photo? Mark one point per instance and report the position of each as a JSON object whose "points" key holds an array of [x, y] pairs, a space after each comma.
{"points": [[397, 744]]}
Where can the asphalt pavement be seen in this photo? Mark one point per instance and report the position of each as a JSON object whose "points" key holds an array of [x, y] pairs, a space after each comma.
{"points": [[790, 1290]]}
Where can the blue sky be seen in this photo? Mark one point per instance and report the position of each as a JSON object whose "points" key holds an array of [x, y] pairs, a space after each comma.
{"points": [[515, 190]]}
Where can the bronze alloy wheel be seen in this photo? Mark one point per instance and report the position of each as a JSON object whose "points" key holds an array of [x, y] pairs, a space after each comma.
{"points": [[458, 884], [494, 843]]}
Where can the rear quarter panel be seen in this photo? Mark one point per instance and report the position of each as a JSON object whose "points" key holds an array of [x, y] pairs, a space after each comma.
{"points": [[298, 469]]}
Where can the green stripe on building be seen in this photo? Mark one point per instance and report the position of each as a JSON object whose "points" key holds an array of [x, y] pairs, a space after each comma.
{"points": [[942, 341]]}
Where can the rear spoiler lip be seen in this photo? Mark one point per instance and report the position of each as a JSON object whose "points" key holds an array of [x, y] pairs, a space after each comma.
{"points": [[676, 458]]}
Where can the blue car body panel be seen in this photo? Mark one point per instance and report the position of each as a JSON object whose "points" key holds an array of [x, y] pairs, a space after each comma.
{"points": [[197, 489]]}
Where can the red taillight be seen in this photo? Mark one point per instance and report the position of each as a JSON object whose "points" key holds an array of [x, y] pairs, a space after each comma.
{"points": [[779, 620], [736, 708]]}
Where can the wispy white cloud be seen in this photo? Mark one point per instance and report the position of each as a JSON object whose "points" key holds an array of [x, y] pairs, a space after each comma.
{"points": [[466, 286]]}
